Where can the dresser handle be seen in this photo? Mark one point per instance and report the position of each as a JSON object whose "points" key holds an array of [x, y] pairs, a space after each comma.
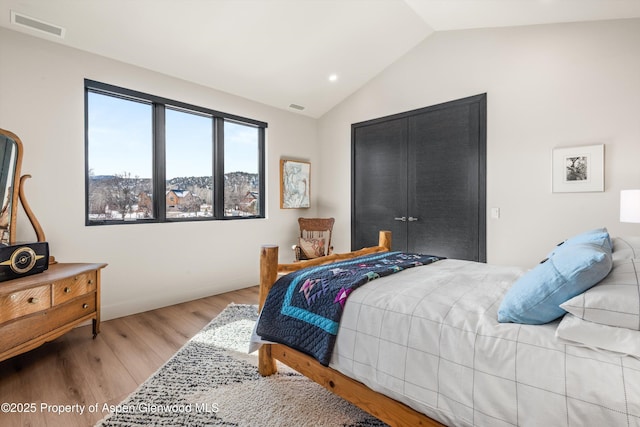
{"points": [[34, 300], [85, 305], [67, 290], [91, 281]]}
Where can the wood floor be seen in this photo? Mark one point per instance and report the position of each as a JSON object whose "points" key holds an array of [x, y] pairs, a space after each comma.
{"points": [[81, 372]]}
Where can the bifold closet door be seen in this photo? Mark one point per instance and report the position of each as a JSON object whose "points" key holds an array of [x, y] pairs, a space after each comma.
{"points": [[379, 183]]}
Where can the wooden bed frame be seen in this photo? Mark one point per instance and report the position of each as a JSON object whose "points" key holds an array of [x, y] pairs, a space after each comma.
{"points": [[380, 406]]}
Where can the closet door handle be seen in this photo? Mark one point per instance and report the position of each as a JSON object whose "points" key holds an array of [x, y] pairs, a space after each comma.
{"points": [[412, 218], [401, 218]]}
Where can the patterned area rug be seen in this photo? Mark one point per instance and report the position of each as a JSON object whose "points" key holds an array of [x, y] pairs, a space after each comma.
{"points": [[212, 381]]}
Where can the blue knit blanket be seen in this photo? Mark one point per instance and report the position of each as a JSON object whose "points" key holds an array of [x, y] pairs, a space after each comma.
{"points": [[303, 308]]}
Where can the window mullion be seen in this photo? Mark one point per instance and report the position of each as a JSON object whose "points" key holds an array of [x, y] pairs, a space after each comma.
{"points": [[159, 162], [218, 167]]}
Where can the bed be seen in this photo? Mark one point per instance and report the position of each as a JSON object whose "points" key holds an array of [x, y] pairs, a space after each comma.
{"points": [[424, 347]]}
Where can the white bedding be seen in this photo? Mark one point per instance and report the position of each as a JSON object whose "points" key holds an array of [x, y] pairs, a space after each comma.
{"points": [[429, 337]]}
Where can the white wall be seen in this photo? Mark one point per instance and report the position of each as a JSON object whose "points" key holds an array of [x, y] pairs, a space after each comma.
{"points": [[547, 86], [150, 265]]}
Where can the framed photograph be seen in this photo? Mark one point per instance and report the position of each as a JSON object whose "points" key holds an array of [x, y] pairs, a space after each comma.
{"points": [[578, 169], [295, 184]]}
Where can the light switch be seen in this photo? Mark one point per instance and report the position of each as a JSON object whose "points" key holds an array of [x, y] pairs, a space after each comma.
{"points": [[495, 213]]}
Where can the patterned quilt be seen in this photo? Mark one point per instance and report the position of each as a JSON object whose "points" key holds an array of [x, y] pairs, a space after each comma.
{"points": [[303, 308]]}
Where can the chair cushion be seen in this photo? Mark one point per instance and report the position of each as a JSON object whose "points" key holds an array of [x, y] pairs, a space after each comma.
{"points": [[312, 247]]}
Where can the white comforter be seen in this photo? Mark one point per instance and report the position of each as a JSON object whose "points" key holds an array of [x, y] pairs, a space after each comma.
{"points": [[429, 337]]}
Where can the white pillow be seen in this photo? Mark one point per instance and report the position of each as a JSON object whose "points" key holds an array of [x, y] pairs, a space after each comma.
{"points": [[625, 248], [575, 331], [615, 301]]}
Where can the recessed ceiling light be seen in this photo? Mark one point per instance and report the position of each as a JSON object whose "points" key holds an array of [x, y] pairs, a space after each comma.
{"points": [[36, 24], [333, 77]]}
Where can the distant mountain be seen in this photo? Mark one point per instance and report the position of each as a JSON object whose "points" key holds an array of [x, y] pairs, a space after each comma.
{"points": [[235, 179], [185, 182]]}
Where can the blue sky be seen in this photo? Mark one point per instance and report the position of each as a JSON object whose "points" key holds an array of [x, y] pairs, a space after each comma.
{"points": [[120, 141]]}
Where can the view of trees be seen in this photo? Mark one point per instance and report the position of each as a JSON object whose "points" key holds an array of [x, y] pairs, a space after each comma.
{"points": [[123, 197]]}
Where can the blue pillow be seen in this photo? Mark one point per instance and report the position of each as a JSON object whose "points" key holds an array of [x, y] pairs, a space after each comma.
{"points": [[536, 296], [598, 236]]}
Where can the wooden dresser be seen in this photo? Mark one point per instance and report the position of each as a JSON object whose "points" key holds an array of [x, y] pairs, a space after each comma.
{"points": [[39, 308]]}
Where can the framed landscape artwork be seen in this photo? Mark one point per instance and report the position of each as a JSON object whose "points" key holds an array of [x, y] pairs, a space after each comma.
{"points": [[295, 185], [578, 169]]}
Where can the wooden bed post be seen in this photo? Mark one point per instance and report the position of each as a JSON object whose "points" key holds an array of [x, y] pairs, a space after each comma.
{"points": [[268, 276], [268, 271], [384, 239]]}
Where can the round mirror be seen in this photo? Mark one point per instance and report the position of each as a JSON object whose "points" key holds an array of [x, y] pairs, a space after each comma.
{"points": [[10, 163]]}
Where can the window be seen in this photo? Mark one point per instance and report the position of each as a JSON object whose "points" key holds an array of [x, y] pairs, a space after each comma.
{"points": [[150, 159], [189, 164], [240, 169]]}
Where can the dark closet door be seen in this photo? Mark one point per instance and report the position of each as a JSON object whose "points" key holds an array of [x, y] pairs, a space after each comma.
{"points": [[422, 175], [379, 185], [446, 183]]}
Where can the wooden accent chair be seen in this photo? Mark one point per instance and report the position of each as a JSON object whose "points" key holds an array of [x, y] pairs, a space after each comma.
{"points": [[315, 238]]}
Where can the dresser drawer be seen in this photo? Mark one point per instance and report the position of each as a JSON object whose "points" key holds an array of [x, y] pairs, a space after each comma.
{"points": [[72, 287], [21, 303], [30, 327]]}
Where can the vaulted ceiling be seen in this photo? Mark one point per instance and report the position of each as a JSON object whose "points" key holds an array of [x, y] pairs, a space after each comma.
{"points": [[279, 52]]}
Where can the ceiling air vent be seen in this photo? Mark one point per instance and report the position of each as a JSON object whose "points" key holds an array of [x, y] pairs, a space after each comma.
{"points": [[296, 107], [36, 24]]}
